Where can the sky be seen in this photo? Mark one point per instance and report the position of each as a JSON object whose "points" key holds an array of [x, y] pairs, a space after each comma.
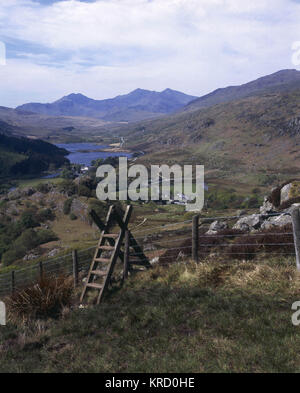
{"points": [[103, 48]]}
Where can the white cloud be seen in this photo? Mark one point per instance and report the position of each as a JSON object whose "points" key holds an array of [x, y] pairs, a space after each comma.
{"points": [[108, 47]]}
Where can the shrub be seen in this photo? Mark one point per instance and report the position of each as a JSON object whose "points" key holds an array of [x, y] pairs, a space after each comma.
{"points": [[45, 236], [267, 180], [27, 241], [29, 219], [73, 217], [68, 187], [256, 190], [84, 190], [44, 188], [67, 174], [45, 215], [42, 300], [13, 255], [252, 202], [67, 206], [98, 206]]}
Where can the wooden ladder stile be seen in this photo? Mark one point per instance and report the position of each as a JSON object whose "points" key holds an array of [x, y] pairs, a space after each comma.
{"points": [[114, 246]]}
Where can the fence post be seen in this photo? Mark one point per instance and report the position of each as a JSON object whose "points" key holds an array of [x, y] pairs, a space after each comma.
{"points": [[41, 269], [195, 231], [126, 255], [75, 267], [13, 282], [296, 230]]}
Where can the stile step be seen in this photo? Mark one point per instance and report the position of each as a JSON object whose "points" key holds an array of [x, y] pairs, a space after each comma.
{"points": [[107, 248], [103, 260], [111, 235], [99, 273], [94, 285]]}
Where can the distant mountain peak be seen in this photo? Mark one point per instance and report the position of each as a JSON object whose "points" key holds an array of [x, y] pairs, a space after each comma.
{"points": [[75, 97]]}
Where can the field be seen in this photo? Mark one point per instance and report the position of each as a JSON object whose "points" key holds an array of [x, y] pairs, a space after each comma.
{"points": [[211, 317]]}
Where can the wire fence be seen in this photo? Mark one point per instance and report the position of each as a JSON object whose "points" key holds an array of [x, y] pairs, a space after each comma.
{"points": [[167, 244]]}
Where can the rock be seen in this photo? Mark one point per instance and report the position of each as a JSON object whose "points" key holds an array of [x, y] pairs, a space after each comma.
{"points": [[267, 207], [181, 256], [285, 193], [277, 221], [150, 247], [241, 213], [37, 196], [249, 223], [216, 227], [30, 257], [15, 194], [154, 260], [53, 252]]}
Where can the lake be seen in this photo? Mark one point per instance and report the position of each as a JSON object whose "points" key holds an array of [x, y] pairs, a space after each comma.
{"points": [[77, 156]]}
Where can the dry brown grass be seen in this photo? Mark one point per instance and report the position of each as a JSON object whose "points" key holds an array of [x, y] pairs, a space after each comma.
{"points": [[45, 299]]}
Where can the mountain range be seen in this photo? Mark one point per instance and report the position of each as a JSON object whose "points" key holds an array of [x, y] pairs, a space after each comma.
{"points": [[253, 128], [138, 105], [250, 129]]}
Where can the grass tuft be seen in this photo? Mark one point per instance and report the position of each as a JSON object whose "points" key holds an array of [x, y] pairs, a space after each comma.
{"points": [[45, 299]]}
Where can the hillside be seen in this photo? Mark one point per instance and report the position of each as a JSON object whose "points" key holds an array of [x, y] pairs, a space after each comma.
{"points": [[211, 317], [22, 156], [138, 105], [253, 135], [284, 80], [19, 122]]}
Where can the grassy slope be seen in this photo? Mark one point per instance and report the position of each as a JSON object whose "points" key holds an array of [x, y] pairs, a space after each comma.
{"points": [[210, 318]]}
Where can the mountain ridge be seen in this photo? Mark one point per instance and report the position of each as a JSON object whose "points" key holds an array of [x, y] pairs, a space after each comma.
{"points": [[137, 105], [278, 81]]}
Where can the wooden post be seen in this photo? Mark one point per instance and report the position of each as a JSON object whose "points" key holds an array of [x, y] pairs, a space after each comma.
{"points": [[296, 230], [126, 255], [195, 240], [75, 267], [41, 269], [13, 282]]}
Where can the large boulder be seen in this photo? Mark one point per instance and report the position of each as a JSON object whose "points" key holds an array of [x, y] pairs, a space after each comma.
{"points": [[285, 193], [249, 223], [290, 191]]}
